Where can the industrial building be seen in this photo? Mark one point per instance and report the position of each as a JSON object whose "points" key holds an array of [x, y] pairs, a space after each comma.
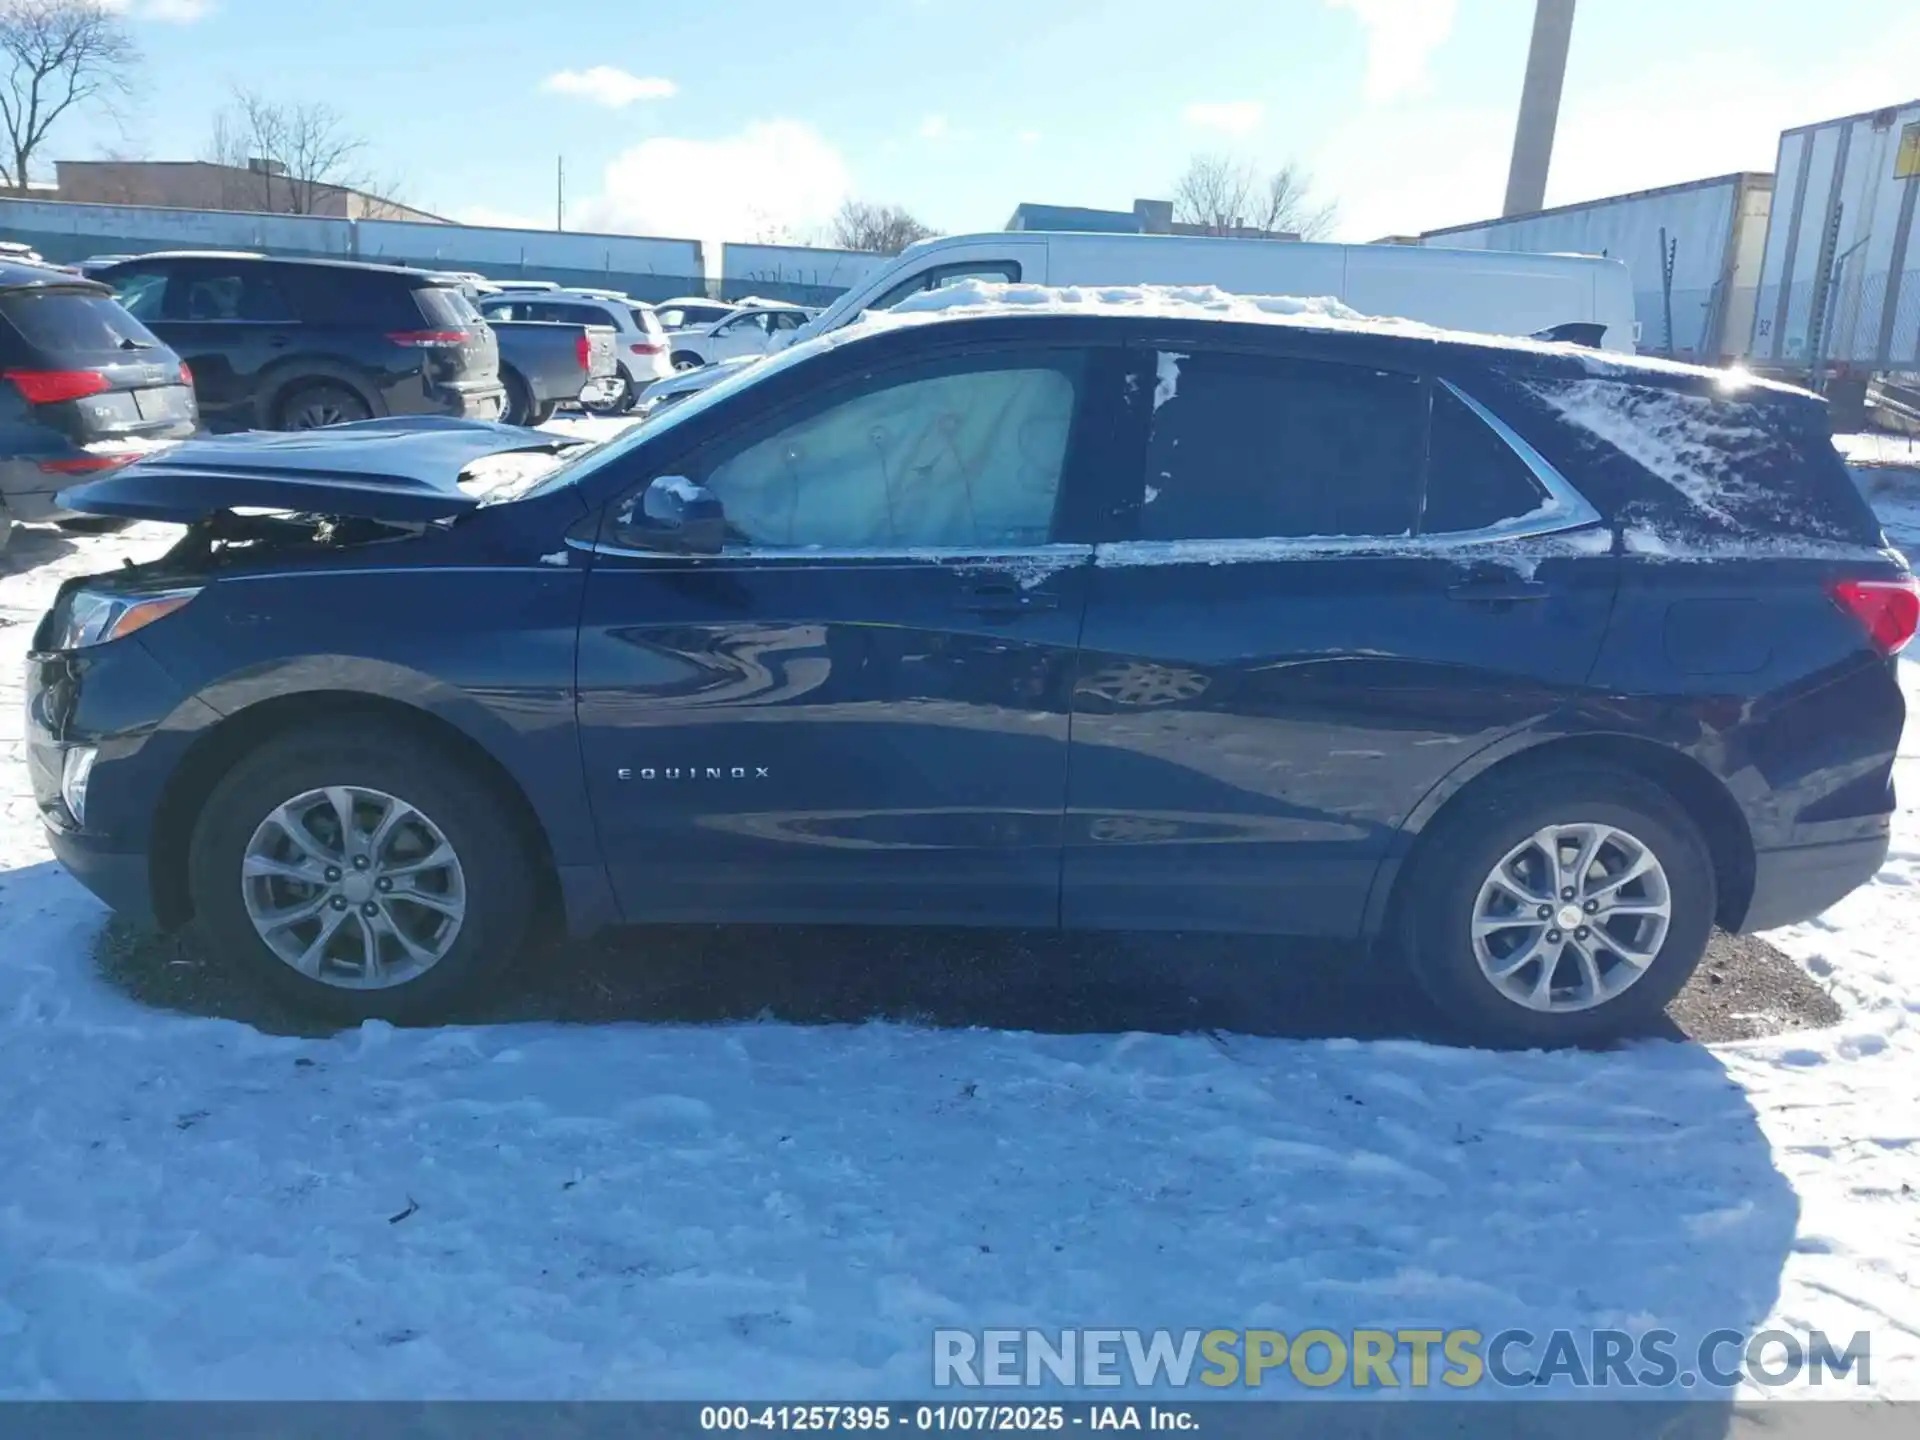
{"points": [[259, 187]]}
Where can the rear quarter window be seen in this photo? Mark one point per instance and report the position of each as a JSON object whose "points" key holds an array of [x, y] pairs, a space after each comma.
{"points": [[1680, 463], [74, 323], [443, 305]]}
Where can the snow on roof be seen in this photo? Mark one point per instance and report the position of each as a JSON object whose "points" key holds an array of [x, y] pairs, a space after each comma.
{"points": [[978, 298]]}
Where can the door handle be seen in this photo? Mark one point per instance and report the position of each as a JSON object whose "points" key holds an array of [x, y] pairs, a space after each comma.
{"points": [[1497, 587], [1007, 599]]}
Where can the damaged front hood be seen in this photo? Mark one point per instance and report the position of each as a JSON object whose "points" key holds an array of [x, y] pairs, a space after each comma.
{"points": [[402, 470]]}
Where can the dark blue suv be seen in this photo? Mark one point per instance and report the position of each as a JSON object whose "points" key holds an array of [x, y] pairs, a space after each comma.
{"points": [[1536, 662]]}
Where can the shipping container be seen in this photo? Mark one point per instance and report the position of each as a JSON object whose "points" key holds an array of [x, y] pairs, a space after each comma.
{"points": [[1714, 230], [1840, 287]]}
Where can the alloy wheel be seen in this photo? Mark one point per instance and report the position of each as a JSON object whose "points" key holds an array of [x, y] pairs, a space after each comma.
{"points": [[1571, 917], [354, 888]]}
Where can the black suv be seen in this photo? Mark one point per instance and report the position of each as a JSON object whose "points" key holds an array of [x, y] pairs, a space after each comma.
{"points": [[279, 344], [1534, 661], [84, 387]]}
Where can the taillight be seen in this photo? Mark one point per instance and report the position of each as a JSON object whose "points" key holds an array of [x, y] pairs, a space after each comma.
{"points": [[1889, 610], [428, 339], [186, 374], [48, 387], [86, 464], [646, 348], [583, 351]]}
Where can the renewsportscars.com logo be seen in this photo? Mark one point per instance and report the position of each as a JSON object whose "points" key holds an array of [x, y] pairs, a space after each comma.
{"points": [[1393, 1359]]}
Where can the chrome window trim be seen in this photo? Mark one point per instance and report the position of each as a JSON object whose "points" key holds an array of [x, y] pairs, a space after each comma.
{"points": [[1567, 508], [934, 554]]}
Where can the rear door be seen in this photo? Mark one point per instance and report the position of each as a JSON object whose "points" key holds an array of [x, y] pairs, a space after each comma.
{"points": [[859, 711], [1342, 584]]}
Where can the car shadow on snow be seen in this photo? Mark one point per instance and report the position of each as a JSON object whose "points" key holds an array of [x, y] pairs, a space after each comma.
{"points": [[30, 546], [1042, 981], [1298, 1185]]}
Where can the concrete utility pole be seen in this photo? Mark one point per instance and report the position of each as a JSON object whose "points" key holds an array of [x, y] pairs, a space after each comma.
{"points": [[1539, 106]]}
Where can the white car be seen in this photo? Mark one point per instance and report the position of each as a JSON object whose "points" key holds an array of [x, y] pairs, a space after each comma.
{"points": [[692, 312], [742, 335], [640, 343]]}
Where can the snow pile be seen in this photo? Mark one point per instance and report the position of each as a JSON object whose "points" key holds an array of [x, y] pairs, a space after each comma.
{"points": [[1179, 302]]}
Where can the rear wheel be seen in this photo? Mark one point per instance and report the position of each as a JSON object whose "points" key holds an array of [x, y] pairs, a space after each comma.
{"points": [[358, 872], [684, 360], [309, 407], [1559, 907], [518, 409], [543, 412]]}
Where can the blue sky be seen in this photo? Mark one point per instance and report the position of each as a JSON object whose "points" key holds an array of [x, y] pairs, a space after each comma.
{"points": [[727, 119]]}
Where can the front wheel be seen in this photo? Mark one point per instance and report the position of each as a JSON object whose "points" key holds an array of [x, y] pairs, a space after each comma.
{"points": [[359, 873], [685, 360], [1560, 907]]}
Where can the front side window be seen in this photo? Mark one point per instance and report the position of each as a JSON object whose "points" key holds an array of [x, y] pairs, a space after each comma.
{"points": [[958, 458], [1249, 447], [743, 325]]}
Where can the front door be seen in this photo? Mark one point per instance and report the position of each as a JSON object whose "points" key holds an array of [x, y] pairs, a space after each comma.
{"points": [[1306, 636], [860, 709]]}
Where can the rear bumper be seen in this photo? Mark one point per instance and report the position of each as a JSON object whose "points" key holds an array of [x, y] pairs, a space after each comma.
{"points": [[1797, 884]]}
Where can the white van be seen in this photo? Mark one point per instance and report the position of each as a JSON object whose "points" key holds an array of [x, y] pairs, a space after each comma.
{"points": [[1581, 297]]}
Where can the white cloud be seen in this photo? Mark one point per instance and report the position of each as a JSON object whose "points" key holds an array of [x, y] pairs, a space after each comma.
{"points": [[1401, 35], [608, 85], [935, 127], [171, 12], [774, 175], [1230, 117]]}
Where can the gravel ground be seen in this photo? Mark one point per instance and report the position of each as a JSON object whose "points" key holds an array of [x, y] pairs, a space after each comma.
{"points": [[957, 979]]}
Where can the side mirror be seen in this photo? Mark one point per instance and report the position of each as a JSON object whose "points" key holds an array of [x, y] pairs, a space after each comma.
{"points": [[677, 516]]}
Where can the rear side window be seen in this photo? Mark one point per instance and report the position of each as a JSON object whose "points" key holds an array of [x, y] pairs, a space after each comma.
{"points": [[647, 321], [74, 324], [443, 305], [1247, 447], [1474, 479]]}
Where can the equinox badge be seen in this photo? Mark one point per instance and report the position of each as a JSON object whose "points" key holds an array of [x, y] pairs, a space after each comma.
{"points": [[695, 772]]}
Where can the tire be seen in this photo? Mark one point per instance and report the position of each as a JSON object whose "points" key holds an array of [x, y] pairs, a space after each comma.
{"points": [[1454, 882], [6, 525], [621, 400], [544, 412], [317, 404], [94, 525], [684, 360], [518, 408], [455, 807]]}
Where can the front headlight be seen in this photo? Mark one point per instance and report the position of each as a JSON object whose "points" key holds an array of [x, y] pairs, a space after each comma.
{"points": [[93, 617]]}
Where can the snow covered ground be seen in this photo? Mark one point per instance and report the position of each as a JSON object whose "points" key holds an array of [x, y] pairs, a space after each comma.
{"points": [[193, 1208]]}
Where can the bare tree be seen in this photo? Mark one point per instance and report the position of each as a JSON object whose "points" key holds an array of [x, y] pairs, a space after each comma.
{"points": [[887, 229], [59, 54], [1224, 196], [288, 159]]}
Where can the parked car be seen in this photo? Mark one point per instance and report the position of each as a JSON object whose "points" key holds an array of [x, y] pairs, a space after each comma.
{"points": [[640, 346], [1104, 620], [544, 365], [1493, 291], [280, 344], [690, 312], [84, 387], [745, 334]]}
